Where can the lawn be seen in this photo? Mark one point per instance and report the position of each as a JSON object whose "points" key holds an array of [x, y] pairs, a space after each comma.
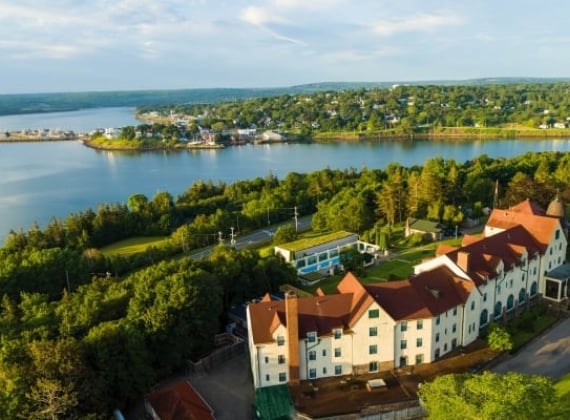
{"points": [[133, 245]]}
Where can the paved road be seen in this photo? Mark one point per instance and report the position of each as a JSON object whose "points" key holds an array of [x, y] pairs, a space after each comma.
{"points": [[548, 355], [256, 237]]}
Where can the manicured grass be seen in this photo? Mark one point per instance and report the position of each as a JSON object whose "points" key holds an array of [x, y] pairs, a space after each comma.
{"points": [[133, 245], [314, 240]]}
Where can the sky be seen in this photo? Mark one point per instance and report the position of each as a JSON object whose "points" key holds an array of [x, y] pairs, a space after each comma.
{"points": [[98, 45]]}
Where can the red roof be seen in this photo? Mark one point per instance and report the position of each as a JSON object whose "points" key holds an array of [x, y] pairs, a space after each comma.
{"points": [[486, 253], [528, 207], [541, 227], [180, 402], [425, 295]]}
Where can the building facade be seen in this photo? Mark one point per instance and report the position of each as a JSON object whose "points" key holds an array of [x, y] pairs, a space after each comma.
{"points": [[445, 304]]}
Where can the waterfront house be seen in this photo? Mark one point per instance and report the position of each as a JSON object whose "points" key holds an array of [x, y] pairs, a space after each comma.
{"points": [[448, 302]]}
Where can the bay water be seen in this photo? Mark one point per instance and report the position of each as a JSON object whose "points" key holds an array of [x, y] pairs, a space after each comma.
{"points": [[39, 181]]}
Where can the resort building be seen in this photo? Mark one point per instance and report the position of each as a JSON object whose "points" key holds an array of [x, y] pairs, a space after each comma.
{"points": [[446, 303]]}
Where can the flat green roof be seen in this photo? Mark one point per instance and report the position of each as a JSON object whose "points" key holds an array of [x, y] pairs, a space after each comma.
{"points": [[306, 243], [273, 403]]}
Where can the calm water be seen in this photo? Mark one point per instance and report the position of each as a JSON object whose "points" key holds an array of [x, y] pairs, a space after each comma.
{"points": [[41, 180], [82, 121]]}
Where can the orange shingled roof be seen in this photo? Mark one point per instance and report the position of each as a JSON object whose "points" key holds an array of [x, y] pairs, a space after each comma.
{"points": [[361, 300], [541, 227], [180, 402], [528, 207], [321, 314]]}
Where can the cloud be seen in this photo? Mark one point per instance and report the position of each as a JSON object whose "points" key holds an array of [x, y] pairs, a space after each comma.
{"points": [[419, 23]]}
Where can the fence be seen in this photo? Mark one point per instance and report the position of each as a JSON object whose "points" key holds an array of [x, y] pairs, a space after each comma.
{"points": [[228, 346]]}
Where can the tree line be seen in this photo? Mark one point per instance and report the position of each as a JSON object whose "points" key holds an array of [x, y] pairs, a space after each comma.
{"points": [[83, 332]]}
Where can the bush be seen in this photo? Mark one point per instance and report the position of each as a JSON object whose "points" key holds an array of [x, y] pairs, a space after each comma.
{"points": [[416, 239]]}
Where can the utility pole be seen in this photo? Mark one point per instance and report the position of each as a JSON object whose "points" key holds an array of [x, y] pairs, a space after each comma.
{"points": [[232, 238], [296, 214]]}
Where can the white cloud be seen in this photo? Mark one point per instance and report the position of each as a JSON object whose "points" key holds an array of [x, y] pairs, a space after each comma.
{"points": [[418, 23]]}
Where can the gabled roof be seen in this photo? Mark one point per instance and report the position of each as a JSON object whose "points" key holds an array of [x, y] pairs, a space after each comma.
{"points": [[320, 314], [423, 225], [361, 300], [486, 253], [180, 402], [425, 295], [541, 227], [528, 207]]}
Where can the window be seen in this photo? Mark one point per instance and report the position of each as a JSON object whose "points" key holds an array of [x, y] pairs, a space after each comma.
{"points": [[312, 355], [281, 359], [311, 337], [282, 377], [445, 332], [403, 344], [445, 347], [473, 305], [454, 311], [266, 359], [498, 310], [337, 352], [280, 340], [534, 271], [267, 377], [454, 328], [373, 367], [373, 349], [511, 284], [485, 295], [436, 355], [498, 289], [419, 342], [510, 303], [373, 331], [374, 313], [312, 373], [437, 338], [404, 326], [338, 370], [324, 370], [420, 324], [484, 318], [419, 359], [337, 334], [324, 352], [469, 329], [437, 320]]}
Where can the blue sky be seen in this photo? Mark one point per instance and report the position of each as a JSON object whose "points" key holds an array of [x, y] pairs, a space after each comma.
{"points": [[78, 45]]}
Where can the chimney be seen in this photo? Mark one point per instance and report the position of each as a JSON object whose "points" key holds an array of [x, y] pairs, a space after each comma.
{"points": [[292, 319], [463, 260]]}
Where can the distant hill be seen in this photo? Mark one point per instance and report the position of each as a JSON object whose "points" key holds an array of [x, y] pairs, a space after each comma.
{"points": [[56, 102]]}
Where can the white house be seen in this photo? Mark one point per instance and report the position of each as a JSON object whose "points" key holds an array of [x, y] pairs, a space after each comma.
{"points": [[445, 304]]}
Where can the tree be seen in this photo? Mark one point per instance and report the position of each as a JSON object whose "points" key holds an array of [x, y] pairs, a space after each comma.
{"points": [[488, 396], [499, 338], [284, 234]]}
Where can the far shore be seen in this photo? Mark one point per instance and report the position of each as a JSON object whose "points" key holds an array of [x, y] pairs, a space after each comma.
{"points": [[440, 134]]}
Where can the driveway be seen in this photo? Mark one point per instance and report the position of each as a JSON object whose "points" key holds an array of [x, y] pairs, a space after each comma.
{"points": [[548, 355], [228, 389]]}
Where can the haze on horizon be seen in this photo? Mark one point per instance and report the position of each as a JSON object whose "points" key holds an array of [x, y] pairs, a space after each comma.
{"points": [[71, 45]]}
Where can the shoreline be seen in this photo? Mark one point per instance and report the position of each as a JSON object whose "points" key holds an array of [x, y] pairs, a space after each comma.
{"points": [[451, 134]]}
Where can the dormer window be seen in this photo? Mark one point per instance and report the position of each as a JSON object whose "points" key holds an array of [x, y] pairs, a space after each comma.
{"points": [[311, 337], [337, 334], [280, 340]]}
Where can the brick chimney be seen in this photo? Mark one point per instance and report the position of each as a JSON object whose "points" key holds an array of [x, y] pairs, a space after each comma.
{"points": [[292, 319], [463, 260]]}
